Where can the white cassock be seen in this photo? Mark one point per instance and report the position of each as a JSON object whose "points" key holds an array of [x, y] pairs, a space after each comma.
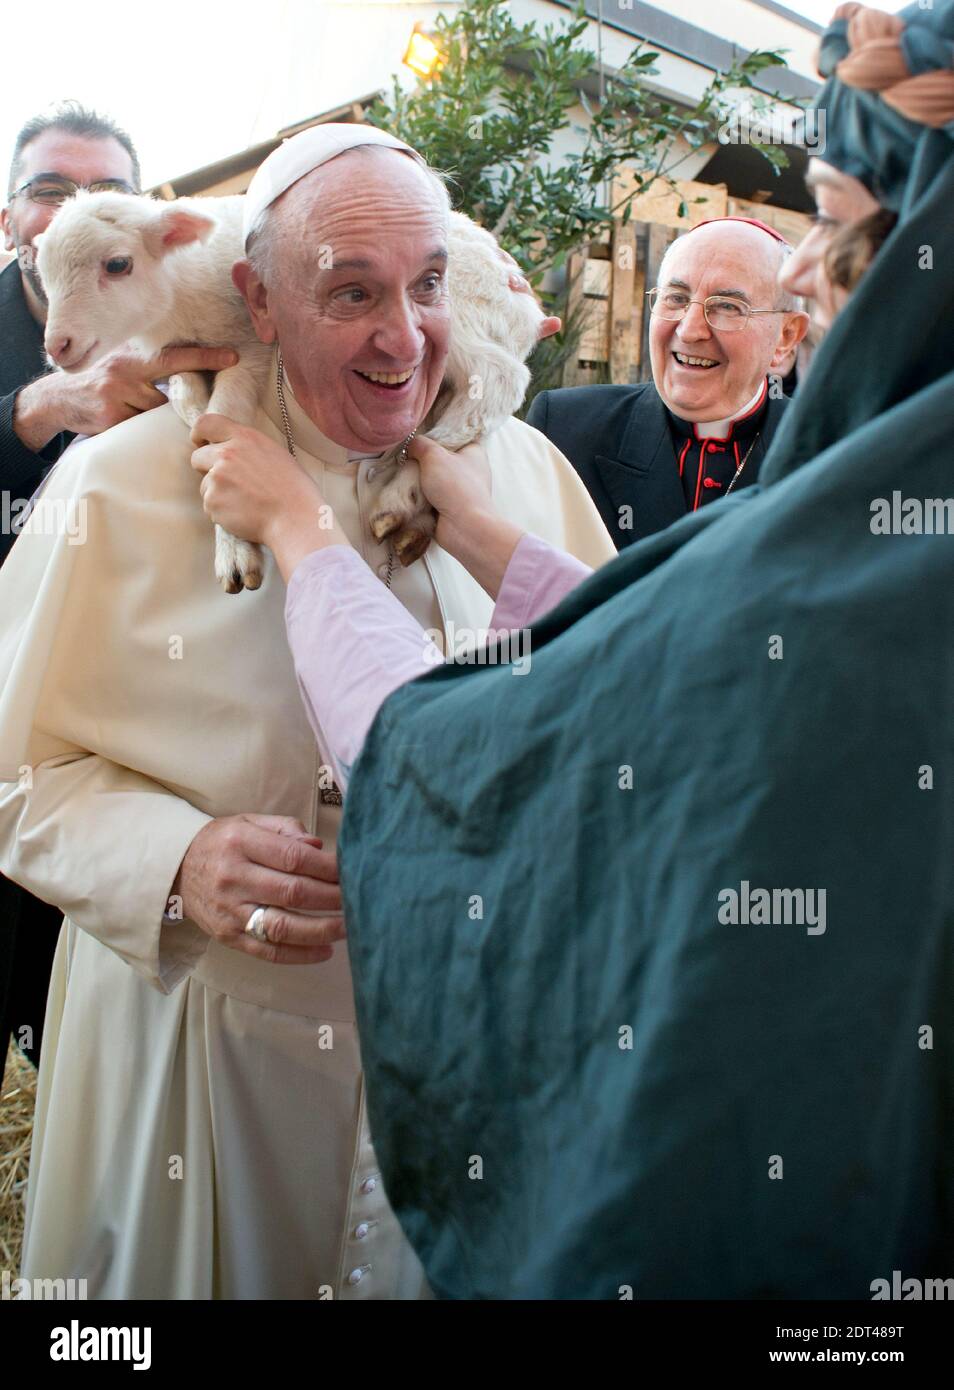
{"points": [[200, 1124]]}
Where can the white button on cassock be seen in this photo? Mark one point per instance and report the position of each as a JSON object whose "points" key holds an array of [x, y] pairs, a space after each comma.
{"points": [[368, 1186], [361, 1230], [357, 1275]]}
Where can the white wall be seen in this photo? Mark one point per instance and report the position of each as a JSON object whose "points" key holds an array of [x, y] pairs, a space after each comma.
{"points": [[320, 55], [333, 51], [739, 21], [746, 24]]}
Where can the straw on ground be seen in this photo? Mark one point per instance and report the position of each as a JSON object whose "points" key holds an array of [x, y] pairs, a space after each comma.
{"points": [[17, 1099]]}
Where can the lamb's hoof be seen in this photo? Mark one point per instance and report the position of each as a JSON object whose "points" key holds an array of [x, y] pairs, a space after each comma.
{"points": [[384, 524], [238, 564], [410, 544]]}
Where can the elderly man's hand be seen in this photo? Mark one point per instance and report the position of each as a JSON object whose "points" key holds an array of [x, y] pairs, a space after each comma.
{"points": [[238, 863], [251, 484]]}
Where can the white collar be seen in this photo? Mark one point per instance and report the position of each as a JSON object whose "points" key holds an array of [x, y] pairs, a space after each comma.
{"points": [[719, 429]]}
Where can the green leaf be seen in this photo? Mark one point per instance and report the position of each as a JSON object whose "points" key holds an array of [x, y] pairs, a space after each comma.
{"points": [[511, 167]]}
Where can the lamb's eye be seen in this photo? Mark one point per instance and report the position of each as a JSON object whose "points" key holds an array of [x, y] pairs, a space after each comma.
{"points": [[118, 265]]}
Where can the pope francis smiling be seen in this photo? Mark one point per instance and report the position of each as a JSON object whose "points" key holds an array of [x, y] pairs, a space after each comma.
{"points": [[200, 1127]]}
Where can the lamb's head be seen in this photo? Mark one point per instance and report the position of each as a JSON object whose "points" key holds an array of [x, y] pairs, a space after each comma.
{"points": [[103, 264], [493, 331]]}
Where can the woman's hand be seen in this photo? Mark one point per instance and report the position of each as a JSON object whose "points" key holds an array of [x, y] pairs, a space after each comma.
{"points": [[255, 489], [250, 481], [459, 488]]}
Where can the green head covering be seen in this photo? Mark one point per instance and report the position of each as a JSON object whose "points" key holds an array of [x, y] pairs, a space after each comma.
{"points": [[653, 947], [868, 138], [894, 336]]}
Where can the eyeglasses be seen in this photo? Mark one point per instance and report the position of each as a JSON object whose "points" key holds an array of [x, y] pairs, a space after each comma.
{"points": [[724, 315], [53, 189]]}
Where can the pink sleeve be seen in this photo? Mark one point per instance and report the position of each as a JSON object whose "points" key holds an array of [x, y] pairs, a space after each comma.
{"points": [[353, 643], [537, 578]]}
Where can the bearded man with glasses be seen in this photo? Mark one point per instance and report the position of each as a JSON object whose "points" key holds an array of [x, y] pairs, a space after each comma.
{"points": [[719, 327], [40, 413]]}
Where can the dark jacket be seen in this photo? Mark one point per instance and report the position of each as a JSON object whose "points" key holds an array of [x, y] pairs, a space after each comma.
{"points": [[620, 441], [28, 927], [21, 361]]}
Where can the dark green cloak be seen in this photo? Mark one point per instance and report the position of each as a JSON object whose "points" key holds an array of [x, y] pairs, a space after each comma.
{"points": [[779, 677]]}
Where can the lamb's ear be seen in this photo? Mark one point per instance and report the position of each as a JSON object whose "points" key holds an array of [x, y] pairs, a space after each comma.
{"points": [[176, 227]]}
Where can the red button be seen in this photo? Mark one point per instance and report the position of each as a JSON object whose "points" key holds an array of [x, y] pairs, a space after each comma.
{"points": [[710, 482]]}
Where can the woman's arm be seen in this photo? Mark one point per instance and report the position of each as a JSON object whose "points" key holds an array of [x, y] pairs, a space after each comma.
{"points": [[353, 643], [526, 576], [369, 644], [537, 578], [351, 640]]}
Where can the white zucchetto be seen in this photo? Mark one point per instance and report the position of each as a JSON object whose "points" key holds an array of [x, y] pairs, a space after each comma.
{"points": [[300, 154]]}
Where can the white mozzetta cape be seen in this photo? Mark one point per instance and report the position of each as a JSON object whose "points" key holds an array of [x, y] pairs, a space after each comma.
{"points": [[196, 1135]]}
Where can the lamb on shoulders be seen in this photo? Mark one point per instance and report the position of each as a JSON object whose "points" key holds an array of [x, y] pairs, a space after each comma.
{"points": [[126, 270]]}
